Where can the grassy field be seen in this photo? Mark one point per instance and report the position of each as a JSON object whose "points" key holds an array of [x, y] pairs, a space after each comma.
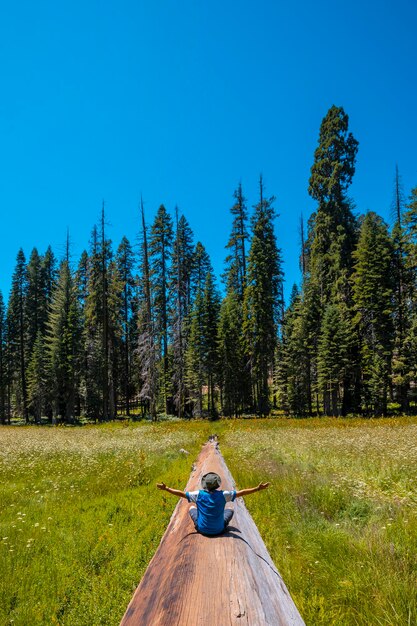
{"points": [[81, 518]]}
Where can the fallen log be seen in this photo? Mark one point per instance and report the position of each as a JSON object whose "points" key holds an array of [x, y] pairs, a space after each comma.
{"points": [[194, 580]]}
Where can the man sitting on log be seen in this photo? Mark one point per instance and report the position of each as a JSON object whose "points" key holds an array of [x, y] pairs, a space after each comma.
{"points": [[210, 516]]}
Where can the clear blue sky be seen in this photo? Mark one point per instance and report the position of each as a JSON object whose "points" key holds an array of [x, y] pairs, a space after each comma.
{"points": [[180, 101]]}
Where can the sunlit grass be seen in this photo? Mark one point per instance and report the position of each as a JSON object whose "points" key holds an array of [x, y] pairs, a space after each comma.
{"points": [[340, 517], [81, 518]]}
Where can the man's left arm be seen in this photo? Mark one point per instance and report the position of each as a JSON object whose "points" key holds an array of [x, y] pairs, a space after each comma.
{"points": [[175, 492]]}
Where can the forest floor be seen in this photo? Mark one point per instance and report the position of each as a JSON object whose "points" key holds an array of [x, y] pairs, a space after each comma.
{"points": [[81, 518]]}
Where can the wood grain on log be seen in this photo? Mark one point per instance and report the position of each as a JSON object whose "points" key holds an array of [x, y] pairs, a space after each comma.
{"points": [[226, 580]]}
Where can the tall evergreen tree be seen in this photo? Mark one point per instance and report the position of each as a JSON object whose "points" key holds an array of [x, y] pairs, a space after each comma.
{"points": [[200, 266], [263, 302], [195, 355], [17, 334], [195, 374], [410, 225], [160, 250], [98, 401], [235, 380], [105, 257], [331, 241], [235, 275], [64, 345], [37, 378], [333, 358], [49, 277], [180, 290], [114, 334], [125, 263], [8, 364], [211, 310], [146, 334], [293, 367], [410, 247], [202, 359], [3, 386], [402, 278], [372, 294], [35, 301], [334, 225], [81, 287]]}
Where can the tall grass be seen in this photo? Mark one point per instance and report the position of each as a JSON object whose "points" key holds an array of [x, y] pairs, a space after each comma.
{"points": [[80, 516], [340, 517]]}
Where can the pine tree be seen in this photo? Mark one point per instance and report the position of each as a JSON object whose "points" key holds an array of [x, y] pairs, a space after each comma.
{"points": [[160, 249], [333, 358], [195, 356], [49, 278], [334, 225], [64, 345], [201, 264], [202, 355], [372, 295], [124, 267], [35, 301], [146, 334], [263, 302], [96, 327], [180, 297], [105, 257], [195, 374], [3, 388], [410, 244], [8, 364], [331, 240], [410, 249], [235, 275], [235, 380], [17, 335], [37, 378], [211, 310], [115, 334], [402, 278], [293, 366], [81, 287]]}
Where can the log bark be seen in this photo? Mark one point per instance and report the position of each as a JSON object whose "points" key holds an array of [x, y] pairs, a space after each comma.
{"points": [[226, 580]]}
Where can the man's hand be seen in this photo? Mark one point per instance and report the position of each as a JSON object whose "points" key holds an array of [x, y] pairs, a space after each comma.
{"points": [[161, 486], [263, 486]]}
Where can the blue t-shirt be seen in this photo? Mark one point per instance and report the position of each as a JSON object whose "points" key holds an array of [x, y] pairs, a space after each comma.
{"points": [[210, 509]]}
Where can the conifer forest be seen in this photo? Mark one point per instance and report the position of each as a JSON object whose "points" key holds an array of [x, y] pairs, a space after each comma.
{"points": [[149, 330]]}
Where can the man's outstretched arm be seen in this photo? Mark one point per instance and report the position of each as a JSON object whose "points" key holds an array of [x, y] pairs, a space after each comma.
{"points": [[246, 492], [175, 492]]}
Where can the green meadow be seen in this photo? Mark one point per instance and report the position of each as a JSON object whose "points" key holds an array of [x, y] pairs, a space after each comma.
{"points": [[81, 518]]}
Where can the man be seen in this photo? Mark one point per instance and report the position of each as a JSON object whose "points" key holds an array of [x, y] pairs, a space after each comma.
{"points": [[210, 516]]}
